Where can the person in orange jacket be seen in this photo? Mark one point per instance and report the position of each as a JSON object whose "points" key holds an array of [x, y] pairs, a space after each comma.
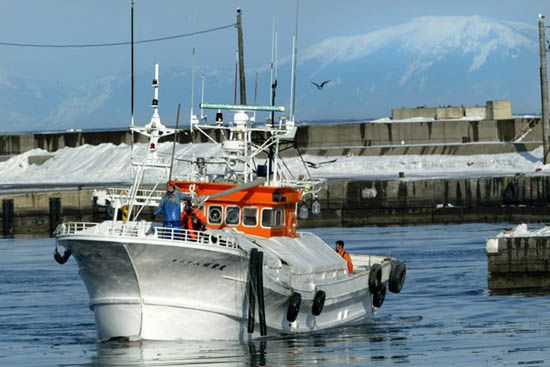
{"points": [[340, 250], [193, 220]]}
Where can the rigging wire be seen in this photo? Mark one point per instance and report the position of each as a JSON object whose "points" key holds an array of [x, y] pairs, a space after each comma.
{"points": [[109, 44]]}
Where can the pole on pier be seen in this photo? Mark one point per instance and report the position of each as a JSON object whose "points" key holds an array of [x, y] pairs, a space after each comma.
{"points": [[242, 81], [544, 89], [55, 214], [7, 217]]}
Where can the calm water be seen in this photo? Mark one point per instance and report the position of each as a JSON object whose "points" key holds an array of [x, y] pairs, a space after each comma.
{"points": [[444, 316]]}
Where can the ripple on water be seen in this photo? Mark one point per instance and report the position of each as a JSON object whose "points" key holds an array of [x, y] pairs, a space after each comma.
{"points": [[444, 316]]}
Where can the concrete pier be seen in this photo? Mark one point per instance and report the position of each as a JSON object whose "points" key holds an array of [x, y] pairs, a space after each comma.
{"points": [[519, 263]]}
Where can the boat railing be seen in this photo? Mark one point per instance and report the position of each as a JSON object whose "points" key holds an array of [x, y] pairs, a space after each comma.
{"points": [[73, 227], [144, 197], [144, 229], [195, 236]]}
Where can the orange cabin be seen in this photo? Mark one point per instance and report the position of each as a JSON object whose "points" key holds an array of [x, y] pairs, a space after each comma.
{"points": [[263, 211]]}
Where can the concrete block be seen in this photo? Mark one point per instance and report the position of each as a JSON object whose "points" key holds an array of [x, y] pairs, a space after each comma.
{"points": [[39, 159], [499, 109]]}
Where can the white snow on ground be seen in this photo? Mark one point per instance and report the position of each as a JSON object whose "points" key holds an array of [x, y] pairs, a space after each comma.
{"points": [[111, 163]]}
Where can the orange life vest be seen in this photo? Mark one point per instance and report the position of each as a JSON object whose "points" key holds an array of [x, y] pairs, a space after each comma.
{"points": [[346, 257], [187, 222]]}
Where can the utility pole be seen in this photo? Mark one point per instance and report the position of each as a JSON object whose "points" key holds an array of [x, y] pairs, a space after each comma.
{"points": [[543, 89], [242, 81]]}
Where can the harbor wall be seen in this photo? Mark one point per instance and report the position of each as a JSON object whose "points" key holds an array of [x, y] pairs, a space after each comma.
{"points": [[324, 138], [344, 203], [397, 202], [410, 133]]}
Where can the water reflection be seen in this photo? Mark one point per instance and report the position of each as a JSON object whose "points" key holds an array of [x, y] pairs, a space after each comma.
{"points": [[349, 345]]}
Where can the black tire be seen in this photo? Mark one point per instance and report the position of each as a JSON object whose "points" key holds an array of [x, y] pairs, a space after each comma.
{"points": [[318, 303], [379, 295], [293, 307], [375, 277], [397, 276]]}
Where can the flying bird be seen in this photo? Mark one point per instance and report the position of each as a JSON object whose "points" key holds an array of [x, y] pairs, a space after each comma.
{"points": [[320, 86], [318, 164]]}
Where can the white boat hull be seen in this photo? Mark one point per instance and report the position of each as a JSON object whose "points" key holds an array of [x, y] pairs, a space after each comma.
{"points": [[169, 290]]}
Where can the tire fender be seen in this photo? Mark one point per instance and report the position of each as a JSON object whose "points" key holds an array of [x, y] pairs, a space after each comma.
{"points": [[318, 303], [293, 306], [397, 276], [375, 277], [379, 295]]}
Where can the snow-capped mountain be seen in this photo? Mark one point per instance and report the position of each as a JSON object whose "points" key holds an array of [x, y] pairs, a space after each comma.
{"points": [[444, 60]]}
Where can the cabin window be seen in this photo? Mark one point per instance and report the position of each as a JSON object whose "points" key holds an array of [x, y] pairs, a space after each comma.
{"points": [[215, 214], [266, 218], [279, 218], [273, 218], [232, 215], [250, 216]]}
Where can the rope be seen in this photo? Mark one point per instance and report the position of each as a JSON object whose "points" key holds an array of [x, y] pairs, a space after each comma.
{"points": [[109, 44]]}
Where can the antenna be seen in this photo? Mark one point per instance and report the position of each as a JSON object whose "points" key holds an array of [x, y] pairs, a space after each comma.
{"points": [[202, 96], [272, 57], [294, 57], [256, 89], [155, 119], [174, 146], [255, 96], [192, 84]]}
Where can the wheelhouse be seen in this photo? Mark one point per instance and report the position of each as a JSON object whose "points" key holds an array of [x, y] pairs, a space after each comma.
{"points": [[263, 211]]}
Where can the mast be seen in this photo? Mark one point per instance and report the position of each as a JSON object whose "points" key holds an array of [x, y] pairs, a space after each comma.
{"points": [[293, 79], [242, 81], [273, 79], [236, 76], [132, 81], [174, 145], [273, 87], [202, 96], [192, 91]]}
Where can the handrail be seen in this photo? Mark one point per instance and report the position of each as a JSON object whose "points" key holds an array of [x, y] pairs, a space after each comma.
{"points": [[143, 230]]}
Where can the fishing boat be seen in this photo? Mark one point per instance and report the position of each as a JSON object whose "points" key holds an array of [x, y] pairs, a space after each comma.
{"points": [[249, 273]]}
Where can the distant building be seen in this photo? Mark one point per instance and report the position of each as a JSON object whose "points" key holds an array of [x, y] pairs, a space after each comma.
{"points": [[493, 110]]}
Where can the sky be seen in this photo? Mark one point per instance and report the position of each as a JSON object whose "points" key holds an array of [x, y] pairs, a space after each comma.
{"points": [[62, 88]]}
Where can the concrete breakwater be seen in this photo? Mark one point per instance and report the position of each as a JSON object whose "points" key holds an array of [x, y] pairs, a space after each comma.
{"points": [[360, 138], [344, 203], [518, 263]]}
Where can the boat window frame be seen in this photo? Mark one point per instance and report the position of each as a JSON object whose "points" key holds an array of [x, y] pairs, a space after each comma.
{"points": [[221, 212], [273, 216], [262, 218], [282, 223], [255, 216], [238, 216]]}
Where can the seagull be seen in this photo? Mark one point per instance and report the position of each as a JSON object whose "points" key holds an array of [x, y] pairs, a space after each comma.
{"points": [[320, 86], [318, 164]]}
